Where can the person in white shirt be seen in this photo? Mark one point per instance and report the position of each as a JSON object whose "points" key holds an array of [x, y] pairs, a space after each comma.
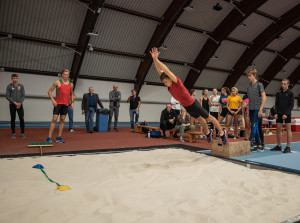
{"points": [[214, 106], [176, 106]]}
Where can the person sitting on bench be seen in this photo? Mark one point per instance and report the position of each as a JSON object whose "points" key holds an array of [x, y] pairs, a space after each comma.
{"points": [[168, 120], [183, 123]]}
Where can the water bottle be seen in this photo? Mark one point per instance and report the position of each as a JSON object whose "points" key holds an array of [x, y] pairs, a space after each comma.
{"points": [[148, 134]]}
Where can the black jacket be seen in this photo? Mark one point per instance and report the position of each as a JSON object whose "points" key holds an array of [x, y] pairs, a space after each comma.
{"points": [[284, 102], [166, 115], [85, 102]]}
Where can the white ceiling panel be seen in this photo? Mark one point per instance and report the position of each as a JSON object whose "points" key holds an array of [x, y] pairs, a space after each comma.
{"points": [[277, 8], [255, 24], [183, 45], [148, 7], [204, 17], [243, 83], [109, 65], [273, 87], [263, 60], [288, 37], [288, 69], [228, 54], [34, 56], [179, 70], [123, 32], [211, 79], [48, 19]]}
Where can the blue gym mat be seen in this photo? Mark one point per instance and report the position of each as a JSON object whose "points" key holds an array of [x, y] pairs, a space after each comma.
{"points": [[279, 160]]}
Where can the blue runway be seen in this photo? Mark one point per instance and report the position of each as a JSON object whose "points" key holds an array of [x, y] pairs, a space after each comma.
{"points": [[278, 160]]}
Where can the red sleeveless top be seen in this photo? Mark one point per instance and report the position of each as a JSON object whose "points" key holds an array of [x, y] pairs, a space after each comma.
{"points": [[180, 93], [63, 93]]}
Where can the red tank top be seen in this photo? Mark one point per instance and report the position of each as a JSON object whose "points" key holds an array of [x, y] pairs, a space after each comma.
{"points": [[63, 93], [180, 93]]}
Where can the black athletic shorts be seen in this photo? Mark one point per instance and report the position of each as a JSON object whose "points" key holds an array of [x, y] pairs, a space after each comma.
{"points": [[234, 110], [224, 112], [60, 110], [280, 120], [196, 110]]}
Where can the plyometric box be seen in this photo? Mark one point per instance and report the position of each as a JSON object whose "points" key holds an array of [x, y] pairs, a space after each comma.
{"points": [[230, 149]]}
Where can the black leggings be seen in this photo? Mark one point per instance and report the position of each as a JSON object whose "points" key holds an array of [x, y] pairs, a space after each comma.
{"points": [[13, 109], [214, 114]]}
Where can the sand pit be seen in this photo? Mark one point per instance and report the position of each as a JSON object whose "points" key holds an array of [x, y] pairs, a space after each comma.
{"points": [[169, 185]]}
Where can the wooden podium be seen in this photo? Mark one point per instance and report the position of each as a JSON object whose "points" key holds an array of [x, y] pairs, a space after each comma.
{"points": [[230, 149]]}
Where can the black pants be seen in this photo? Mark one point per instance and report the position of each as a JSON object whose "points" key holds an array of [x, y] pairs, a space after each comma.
{"points": [[165, 124], [261, 134], [13, 109]]}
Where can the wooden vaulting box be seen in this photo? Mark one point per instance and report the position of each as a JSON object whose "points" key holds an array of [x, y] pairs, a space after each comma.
{"points": [[230, 149]]}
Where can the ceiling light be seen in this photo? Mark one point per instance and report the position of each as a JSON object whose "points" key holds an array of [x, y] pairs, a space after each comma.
{"points": [[279, 37], [92, 34], [90, 47], [217, 7], [189, 8], [163, 47], [214, 57]]}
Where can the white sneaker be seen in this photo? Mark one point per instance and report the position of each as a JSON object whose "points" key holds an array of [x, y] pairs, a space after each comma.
{"points": [[201, 136], [72, 130], [270, 133], [231, 129], [234, 138]]}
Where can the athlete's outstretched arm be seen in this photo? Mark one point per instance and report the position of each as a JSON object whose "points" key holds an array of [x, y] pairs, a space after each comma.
{"points": [[160, 67]]}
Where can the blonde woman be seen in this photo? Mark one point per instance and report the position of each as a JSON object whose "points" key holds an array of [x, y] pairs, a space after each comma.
{"points": [[234, 107], [183, 123]]}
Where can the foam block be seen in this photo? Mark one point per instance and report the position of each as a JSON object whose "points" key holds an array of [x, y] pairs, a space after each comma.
{"points": [[230, 149]]}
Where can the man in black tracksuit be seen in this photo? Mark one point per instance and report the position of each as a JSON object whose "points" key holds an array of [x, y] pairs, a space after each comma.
{"points": [[15, 94], [283, 112], [168, 120]]}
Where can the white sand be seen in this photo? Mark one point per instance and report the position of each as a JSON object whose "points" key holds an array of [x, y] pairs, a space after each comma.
{"points": [[170, 185]]}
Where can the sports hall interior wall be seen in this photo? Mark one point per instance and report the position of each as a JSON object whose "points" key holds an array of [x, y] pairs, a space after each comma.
{"points": [[38, 107]]}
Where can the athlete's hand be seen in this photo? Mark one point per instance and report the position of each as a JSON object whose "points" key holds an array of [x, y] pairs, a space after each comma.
{"points": [[72, 106], [154, 53], [82, 111], [284, 117], [54, 103], [275, 116]]}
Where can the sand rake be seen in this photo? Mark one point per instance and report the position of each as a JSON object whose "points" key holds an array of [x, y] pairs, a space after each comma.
{"points": [[59, 187]]}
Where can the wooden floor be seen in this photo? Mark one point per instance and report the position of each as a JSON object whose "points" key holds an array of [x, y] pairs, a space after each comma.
{"points": [[80, 140]]}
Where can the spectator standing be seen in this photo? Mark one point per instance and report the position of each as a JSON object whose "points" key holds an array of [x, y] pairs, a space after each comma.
{"points": [[214, 107], [135, 103], [175, 106], [15, 94], [89, 108], [71, 113], [257, 99], [283, 112], [114, 105]]}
